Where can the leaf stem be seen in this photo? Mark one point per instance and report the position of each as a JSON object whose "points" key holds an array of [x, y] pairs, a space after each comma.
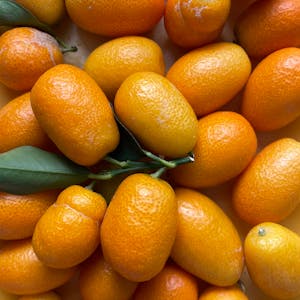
{"points": [[159, 172], [168, 164], [91, 185]]}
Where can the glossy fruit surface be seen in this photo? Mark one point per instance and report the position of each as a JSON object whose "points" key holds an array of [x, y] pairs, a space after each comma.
{"points": [[223, 293], [158, 115], [207, 244], [112, 62], [211, 76], [26, 53], [68, 232], [139, 227], [226, 143], [272, 254], [269, 189], [271, 97], [75, 113]]}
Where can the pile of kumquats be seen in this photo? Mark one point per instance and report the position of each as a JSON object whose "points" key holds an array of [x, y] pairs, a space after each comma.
{"points": [[149, 150]]}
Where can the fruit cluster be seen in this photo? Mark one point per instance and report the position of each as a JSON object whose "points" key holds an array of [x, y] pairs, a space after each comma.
{"points": [[112, 162]]}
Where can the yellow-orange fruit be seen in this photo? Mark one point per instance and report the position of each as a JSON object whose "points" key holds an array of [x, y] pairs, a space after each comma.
{"points": [[98, 280], [272, 254], [223, 293], [19, 126], [20, 213], [211, 76], [139, 227], [75, 113], [207, 243], [43, 296], [157, 114], [271, 97], [226, 144], [26, 53], [68, 232], [269, 188], [269, 25], [22, 273]]}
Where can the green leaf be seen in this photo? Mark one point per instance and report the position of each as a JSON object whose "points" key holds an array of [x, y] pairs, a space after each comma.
{"points": [[26, 170]]}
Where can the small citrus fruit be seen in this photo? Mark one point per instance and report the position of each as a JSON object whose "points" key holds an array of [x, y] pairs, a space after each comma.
{"points": [[272, 254], [193, 23], [211, 76], [75, 113], [43, 296], [26, 53], [226, 144], [139, 227], [207, 243], [112, 62], [271, 97], [157, 114], [68, 232], [269, 188], [223, 293]]}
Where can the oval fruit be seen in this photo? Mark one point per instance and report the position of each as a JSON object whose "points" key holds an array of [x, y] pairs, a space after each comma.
{"points": [[112, 62], [157, 114], [226, 143], [272, 254], [207, 244], [75, 113], [271, 97], [19, 262], [211, 76], [223, 293], [68, 232], [269, 188], [139, 227]]}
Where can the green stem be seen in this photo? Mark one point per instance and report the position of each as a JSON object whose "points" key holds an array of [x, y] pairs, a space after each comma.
{"points": [[159, 172], [163, 162], [91, 185], [65, 48]]}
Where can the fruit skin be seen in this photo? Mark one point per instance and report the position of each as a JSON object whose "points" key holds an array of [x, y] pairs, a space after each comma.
{"points": [[26, 53], [49, 11], [115, 18], [269, 25], [215, 254], [68, 232], [19, 262], [226, 144], [98, 280], [269, 188], [223, 293], [19, 126], [20, 213], [43, 296], [139, 227], [271, 97], [272, 254], [75, 113], [211, 76], [194, 23], [172, 283], [112, 62], [157, 114]]}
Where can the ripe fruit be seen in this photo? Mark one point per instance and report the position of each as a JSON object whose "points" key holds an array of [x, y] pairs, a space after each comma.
{"points": [[19, 126], [269, 25], [26, 53], [112, 62], [98, 280], [76, 115], [207, 244], [158, 115], [193, 23], [226, 144], [172, 283], [271, 97], [20, 213], [43, 296], [272, 254], [19, 264], [49, 11], [68, 232], [211, 76], [223, 293], [115, 18], [139, 227], [269, 188]]}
